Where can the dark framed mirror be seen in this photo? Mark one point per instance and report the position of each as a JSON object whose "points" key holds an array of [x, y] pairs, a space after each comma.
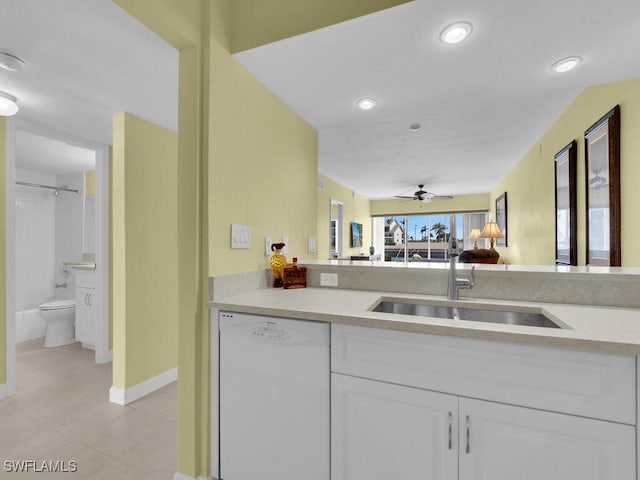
{"points": [[602, 175], [566, 161]]}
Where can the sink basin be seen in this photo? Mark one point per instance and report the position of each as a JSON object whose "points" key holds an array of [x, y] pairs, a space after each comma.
{"points": [[506, 317]]}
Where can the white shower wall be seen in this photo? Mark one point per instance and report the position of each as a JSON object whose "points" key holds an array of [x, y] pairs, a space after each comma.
{"points": [[35, 234], [69, 235], [49, 231]]}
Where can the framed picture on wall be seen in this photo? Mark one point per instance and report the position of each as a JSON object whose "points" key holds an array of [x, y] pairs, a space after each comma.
{"points": [[602, 176], [566, 211], [501, 219], [356, 234]]}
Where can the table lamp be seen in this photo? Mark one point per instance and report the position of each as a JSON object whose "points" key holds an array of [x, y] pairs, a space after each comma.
{"points": [[491, 231], [475, 234]]}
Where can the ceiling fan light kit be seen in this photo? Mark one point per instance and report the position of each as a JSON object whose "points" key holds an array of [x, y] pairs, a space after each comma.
{"points": [[424, 196]]}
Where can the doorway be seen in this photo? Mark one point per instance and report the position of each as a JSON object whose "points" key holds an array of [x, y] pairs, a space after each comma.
{"points": [[17, 133], [336, 229]]}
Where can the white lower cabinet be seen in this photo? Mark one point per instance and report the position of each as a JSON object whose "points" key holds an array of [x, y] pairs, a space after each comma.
{"points": [[381, 430], [503, 442], [421, 407], [86, 313]]}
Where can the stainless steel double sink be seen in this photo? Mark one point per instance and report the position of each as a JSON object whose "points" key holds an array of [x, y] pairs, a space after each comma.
{"points": [[525, 316]]}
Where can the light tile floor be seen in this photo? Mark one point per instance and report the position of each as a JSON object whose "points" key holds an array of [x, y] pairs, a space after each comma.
{"points": [[61, 411]]}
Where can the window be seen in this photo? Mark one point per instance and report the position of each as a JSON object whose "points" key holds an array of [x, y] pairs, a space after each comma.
{"points": [[424, 237]]}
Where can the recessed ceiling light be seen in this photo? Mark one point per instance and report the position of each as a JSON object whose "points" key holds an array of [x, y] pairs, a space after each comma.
{"points": [[366, 103], [8, 105], [456, 32], [566, 64], [11, 62], [414, 127]]}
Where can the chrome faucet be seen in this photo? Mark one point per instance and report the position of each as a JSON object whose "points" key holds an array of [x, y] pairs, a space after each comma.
{"points": [[455, 283]]}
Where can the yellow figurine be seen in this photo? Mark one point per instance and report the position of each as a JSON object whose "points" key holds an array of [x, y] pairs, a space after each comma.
{"points": [[277, 262]]}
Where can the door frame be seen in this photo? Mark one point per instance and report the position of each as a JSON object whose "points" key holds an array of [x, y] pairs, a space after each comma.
{"points": [[103, 353]]}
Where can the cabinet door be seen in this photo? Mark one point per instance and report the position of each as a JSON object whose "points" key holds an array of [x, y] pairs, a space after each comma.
{"points": [[85, 315], [382, 431], [502, 442]]}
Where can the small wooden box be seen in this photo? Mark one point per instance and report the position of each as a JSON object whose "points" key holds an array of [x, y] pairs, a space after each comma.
{"points": [[294, 277]]}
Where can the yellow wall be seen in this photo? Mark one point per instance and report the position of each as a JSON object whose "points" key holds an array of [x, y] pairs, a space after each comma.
{"points": [[459, 203], [530, 184], [110, 250], [144, 238], [258, 22], [201, 30], [90, 183], [355, 209], [262, 168], [3, 267]]}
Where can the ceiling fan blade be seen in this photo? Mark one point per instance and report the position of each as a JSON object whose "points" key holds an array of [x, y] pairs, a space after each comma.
{"points": [[441, 197], [404, 196]]}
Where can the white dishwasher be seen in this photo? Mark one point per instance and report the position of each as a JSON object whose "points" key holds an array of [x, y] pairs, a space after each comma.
{"points": [[274, 398]]}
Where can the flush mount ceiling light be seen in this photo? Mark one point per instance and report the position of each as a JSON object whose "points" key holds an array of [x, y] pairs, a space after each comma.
{"points": [[11, 62], [8, 105], [566, 64], [456, 32], [414, 127], [366, 103]]}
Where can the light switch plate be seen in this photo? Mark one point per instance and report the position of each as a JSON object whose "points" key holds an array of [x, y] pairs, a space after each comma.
{"points": [[267, 246], [240, 236], [312, 245], [285, 250]]}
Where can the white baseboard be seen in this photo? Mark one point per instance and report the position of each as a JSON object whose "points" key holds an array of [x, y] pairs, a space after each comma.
{"points": [[122, 396], [4, 391], [182, 476]]}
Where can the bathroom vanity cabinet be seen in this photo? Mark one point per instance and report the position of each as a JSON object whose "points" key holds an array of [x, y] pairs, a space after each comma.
{"points": [[86, 313]]}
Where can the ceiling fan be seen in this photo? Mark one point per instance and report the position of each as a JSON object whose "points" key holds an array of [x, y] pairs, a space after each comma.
{"points": [[423, 196]]}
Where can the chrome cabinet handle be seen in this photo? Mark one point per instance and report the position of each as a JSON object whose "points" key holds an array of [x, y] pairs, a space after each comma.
{"points": [[89, 299], [86, 299], [468, 449], [450, 430]]}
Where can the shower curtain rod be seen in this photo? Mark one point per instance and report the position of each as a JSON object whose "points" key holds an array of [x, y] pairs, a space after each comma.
{"points": [[59, 189]]}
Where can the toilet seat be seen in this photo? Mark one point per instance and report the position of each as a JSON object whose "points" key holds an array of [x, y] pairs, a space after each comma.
{"points": [[58, 305]]}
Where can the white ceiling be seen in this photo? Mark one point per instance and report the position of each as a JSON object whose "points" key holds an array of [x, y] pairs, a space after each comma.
{"points": [[41, 154], [86, 60], [482, 104]]}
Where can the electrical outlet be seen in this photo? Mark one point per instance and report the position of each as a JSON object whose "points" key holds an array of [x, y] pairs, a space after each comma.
{"points": [[328, 279]]}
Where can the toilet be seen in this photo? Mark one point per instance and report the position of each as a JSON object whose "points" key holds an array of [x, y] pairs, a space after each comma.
{"points": [[60, 317]]}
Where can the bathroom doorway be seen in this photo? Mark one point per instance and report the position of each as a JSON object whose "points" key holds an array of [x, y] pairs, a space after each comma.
{"points": [[57, 227]]}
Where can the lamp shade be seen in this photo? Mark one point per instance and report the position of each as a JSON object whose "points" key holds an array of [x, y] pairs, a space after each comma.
{"points": [[8, 105], [491, 230], [475, 235]]}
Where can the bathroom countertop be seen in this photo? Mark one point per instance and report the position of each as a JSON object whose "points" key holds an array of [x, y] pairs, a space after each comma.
{"points": [[606, 329]]}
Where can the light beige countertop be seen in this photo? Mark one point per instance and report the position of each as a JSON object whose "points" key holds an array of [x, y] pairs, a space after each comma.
{"points": [[606, 329]]}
